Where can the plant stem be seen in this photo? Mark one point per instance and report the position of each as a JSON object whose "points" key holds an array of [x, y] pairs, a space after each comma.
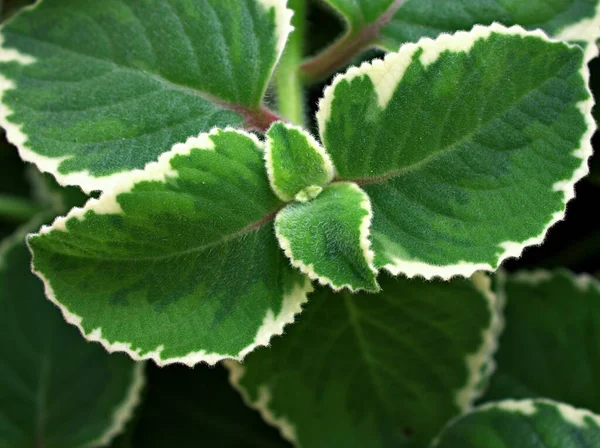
{"points": [[257, 119], [289, 83], [17, 209], [341, 53]]}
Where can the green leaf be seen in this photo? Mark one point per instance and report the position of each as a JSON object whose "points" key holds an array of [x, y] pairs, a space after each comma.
{"points": [[550, 345], [57, 391], [577, 21], [121, 81], [375, 370], [391, 23], [469, 146], [47, 192], [180, 262], [295, 161], [523, 424], [190, 408], [328, 238]]}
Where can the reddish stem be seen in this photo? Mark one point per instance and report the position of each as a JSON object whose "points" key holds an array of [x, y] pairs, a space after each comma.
{"points": [[341, 53], [258, 119]]}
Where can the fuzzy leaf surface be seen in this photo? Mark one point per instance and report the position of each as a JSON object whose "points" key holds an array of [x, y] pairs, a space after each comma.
{"points": [[376, 370], [295, 161], [57, 390], [328, 238], [523, 424], [549, 347], [180, 263], [577, 21], [469, 146], [119, 82], [396, 22]]}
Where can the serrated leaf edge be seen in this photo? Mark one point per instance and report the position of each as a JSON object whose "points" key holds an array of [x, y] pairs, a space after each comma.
{"points": [[124, 410], [157, 171], [285, 427], [108, 204], [527, 407], [481, 364], [385, 80], [587, 30], [268, 156], [271, 326], [83, 179], [283, 23], [16, 136], [365, 244]]}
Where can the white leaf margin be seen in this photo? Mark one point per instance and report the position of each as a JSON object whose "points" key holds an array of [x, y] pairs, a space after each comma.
{"points": [[583, 282], [83, 179], [312, 143], [123, 412], [528, 408], [365, 245], [587, 30], [387, 73], [160, 171], [480, 365], [285, 427]]}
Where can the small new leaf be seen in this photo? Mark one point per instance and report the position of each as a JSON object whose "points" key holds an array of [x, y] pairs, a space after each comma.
{"points": [[523, 423], [328, 238], [180, 262], [119, 82], [382, 370], [469, 146], [295, 162]]}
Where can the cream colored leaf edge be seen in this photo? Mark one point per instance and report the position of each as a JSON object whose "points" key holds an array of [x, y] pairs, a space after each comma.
{"points": [[124, 411], [529, 408], [312, 143], [285, 427], [387, 73], [160, 171], [283, 23], [537, 277], [308, 269], [83, 179], [587, 30], [481, 364]]}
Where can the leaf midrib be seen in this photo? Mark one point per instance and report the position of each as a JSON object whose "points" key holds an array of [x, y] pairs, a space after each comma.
{"points": [[252, 227], [382, 178]]}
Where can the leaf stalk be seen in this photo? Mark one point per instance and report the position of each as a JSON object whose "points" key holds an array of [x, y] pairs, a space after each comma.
{"points": [[344, 50]]}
